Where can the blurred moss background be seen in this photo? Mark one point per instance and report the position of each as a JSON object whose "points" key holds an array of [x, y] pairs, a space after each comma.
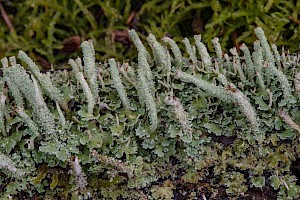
{"points": [[51, 30]]}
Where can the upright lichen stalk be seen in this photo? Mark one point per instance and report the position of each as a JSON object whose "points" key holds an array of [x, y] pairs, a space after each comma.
{"points": [[270, 65]]}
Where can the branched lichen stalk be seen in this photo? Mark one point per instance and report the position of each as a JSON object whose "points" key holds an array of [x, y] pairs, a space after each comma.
{"points": [[297, 84], [117, 164], [147, 98], [276, 55], [30, 89], [143, 65], [90, 66], [99, 71], [237, 64], [175, 49], [222, 78], [257, 56], [45, 120], [61, 116], [260, 81], [43, 116], [228, 63], [76, 65], [159, 52], [264, 43], [31, 65], [118, 83], [80, 177], [138, 43], [181, 115], [79, 67], [128, 72], [203, 52], [287, 119], [85, 87], [43, 80], [244, 104], [190, 51], [249, 63], [212, 89], [143, 58], [2, 107], [286, 88], [12, 60], [15, 92], [39, 101], [169, 66], [218, 50], [283, 57], [21, 79], [26, 119], [258, 65], [4, 62]]}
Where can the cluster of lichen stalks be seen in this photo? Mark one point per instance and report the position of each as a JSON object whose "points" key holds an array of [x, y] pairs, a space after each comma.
{"points": [[33, 85], [263, 60]]}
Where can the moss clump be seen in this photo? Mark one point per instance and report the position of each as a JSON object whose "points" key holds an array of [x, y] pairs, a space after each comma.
{"points": [[51, 30]]}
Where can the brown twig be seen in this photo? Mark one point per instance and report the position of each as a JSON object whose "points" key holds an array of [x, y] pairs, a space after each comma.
{"points": [[6, 19], [297, 21], [131, 17], [234, 37]]}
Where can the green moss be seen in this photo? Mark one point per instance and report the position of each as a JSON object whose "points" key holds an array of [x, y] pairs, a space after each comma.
{"points": [[41, 27]]}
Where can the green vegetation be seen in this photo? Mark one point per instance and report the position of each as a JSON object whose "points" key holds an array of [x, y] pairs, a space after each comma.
{"points": [[141, 130], [47, 30]]}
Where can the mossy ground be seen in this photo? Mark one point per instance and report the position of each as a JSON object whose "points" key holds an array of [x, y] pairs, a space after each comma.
{"points": [[51, 31]]}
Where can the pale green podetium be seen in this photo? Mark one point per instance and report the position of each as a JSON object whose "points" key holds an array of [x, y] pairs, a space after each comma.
{"points": [[85, 87], [45, 82], [270, 64], [175, 49], [90, 66], [147, 98], [159, 53], [118, 83], [203, 52]]}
